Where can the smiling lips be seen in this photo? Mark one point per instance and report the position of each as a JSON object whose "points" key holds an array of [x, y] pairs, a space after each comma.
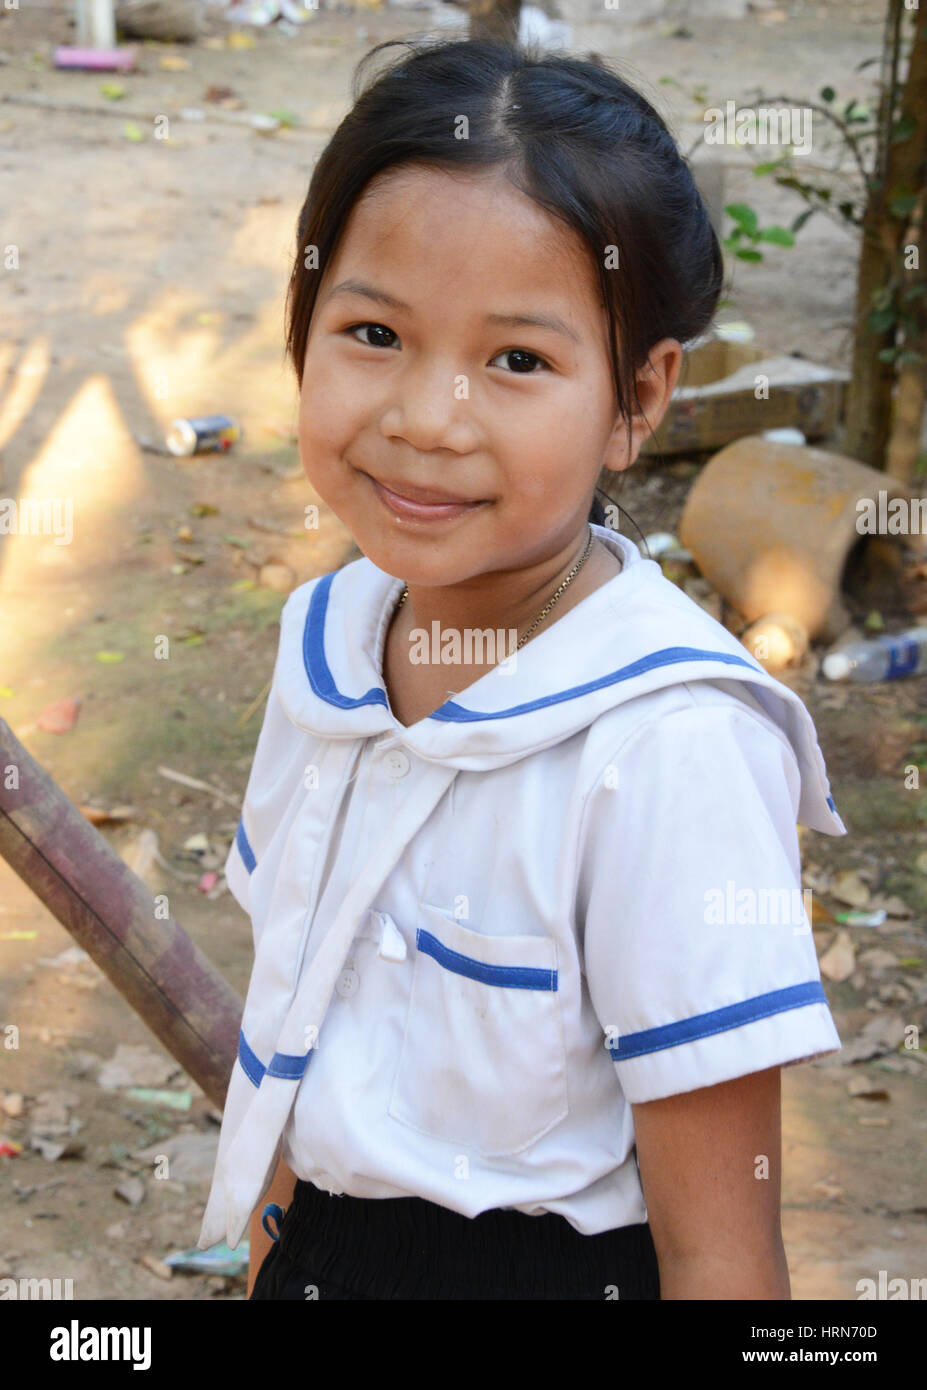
{"points": [[423, 503]]}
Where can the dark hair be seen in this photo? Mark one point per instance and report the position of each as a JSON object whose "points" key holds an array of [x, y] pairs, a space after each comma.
{"points": [[571, 135]]}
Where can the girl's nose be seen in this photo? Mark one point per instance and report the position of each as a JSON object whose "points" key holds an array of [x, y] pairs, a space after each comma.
{"points": [[431, 410]]}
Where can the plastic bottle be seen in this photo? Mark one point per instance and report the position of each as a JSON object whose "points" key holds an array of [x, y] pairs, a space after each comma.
{"points": [[885, 658]]}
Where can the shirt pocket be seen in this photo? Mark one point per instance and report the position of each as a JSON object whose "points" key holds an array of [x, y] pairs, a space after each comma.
{"points": [[483, 1061]]}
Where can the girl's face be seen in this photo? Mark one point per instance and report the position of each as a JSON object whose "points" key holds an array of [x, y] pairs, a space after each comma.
{"points": [[426, 370]]}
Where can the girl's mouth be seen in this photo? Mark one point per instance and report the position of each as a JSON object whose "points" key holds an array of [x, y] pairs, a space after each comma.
{"points": [[420, 511]]}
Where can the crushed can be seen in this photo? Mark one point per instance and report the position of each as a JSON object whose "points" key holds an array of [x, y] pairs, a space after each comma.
{"points": [[204, 434]]}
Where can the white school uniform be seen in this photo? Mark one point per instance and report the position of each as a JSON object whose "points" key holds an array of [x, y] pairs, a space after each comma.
{"points": [[479, 939]]}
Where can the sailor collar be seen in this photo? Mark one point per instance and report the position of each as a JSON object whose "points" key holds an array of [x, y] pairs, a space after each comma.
{"points": [[637, 633]]}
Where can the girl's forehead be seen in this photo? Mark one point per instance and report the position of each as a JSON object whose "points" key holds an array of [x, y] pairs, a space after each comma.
{"points": [[479, 223], [411, 197]]}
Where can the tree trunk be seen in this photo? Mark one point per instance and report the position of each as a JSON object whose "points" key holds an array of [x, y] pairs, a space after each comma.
{"points": [[900, 170], [869, 393], [904, 444]]}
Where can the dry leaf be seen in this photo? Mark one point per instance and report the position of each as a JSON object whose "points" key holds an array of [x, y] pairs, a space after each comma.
{"points": [[60, 717], [156, 1266], [849, 888], [132, 1190], [839, 961]]}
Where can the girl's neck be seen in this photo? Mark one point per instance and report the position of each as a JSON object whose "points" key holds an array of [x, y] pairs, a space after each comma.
{"points": [[459, 611], [601, 566]]}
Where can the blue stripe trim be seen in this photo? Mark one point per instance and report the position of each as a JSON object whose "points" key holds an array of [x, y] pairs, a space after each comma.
{"points": [[323, 682], [277, 1213], [717, 1020], [251, 1064], [283, 1064], [666, 656], [832, 804], [288, 1066], [317, 668], [508, 976], [244, 848]]}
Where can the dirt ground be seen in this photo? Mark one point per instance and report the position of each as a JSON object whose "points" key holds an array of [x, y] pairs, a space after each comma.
{"points": [[150, 285]]}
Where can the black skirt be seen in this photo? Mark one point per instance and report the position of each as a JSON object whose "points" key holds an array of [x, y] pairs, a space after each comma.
{"points": [[408, 1248]]}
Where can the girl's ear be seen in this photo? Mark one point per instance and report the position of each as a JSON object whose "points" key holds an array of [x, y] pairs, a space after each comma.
{"points": [[656, 382]]}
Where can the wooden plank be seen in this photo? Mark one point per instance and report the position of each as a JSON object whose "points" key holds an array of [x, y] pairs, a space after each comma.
{"points": [[152, 961]]}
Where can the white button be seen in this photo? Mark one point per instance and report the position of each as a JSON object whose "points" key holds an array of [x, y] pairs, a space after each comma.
{"points": [[348, 982], [396, 763]]}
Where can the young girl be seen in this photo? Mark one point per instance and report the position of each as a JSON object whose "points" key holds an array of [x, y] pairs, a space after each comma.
{"points": [[518, 842]]}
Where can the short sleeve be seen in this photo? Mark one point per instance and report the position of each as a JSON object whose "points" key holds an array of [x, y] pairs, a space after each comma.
{"points": [[698, 949]]}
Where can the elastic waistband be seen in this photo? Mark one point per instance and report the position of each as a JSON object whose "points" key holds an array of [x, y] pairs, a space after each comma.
{"points": [[399, 1247]]}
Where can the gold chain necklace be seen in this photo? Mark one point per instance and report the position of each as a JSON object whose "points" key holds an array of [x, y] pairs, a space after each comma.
{"points": [[548, 606]]}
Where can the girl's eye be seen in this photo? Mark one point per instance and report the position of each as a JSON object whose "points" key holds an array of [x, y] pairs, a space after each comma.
{"points": [[377, 328], [522, 364], [523, 356]]}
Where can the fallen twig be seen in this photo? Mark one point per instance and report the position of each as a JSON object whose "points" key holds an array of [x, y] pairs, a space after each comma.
{"points": [[198, 786]]}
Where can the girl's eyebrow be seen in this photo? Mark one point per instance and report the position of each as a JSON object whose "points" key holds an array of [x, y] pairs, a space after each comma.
{"points": [[360, 287]]}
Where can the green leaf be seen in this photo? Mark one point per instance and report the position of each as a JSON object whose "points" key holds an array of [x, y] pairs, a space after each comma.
{"points": [[902, 204], [110, 658], [749, 255], [881, 320], [112, 90], [789, 181], [903, 129], [802, 218], [887, 354], [827, 93], [768, 166], [744, 215], [133, 132], [779, 236]]}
